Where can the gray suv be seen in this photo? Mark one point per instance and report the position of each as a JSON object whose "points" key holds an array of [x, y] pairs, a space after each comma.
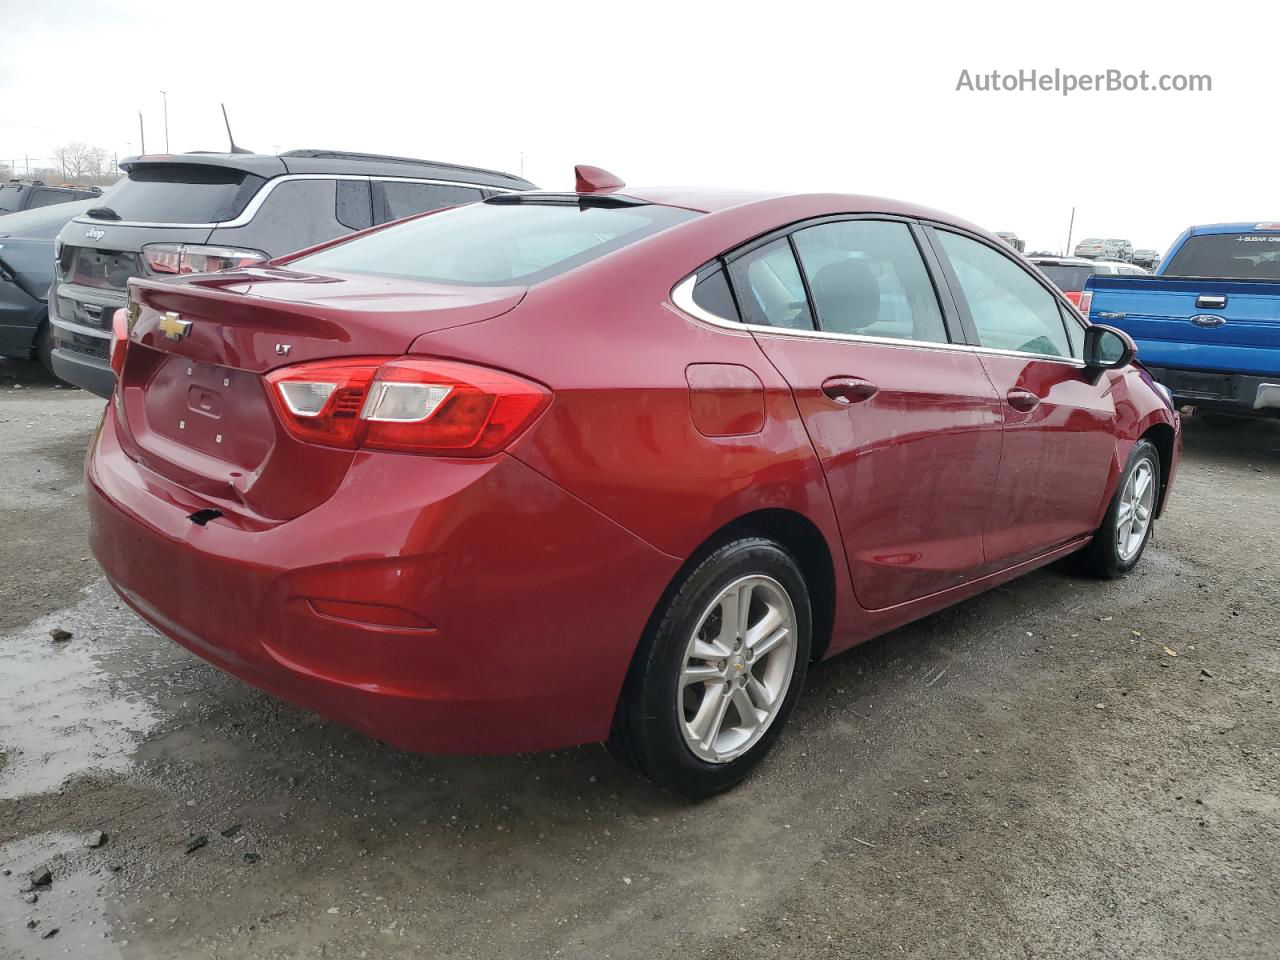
{"points": [[199, 212]]}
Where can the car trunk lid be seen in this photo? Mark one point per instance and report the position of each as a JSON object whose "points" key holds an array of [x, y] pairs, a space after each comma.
{"points": [[193, 401]]}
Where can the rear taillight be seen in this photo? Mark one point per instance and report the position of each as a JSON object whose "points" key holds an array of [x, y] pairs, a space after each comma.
{"points": [[1086, 301], [119, 339], [409, 405], [170, 258]]}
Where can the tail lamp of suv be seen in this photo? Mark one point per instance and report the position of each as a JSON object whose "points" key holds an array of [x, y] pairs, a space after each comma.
{"points": [[438, 407], [175, 258]]}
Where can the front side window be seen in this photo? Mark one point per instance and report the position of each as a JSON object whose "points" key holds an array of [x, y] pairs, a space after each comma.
{"points": [[770, 289], [1010, 309], [867, 278], [485, 244]]}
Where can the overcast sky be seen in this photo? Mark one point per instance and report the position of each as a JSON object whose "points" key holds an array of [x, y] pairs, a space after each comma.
{"points": [[792, 95]]}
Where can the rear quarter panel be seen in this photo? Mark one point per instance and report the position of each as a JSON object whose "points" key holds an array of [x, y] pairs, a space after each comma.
{"points": [[619, 433]]}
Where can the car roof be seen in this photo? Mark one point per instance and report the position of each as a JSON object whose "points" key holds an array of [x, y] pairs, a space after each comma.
{"points": [[1064, 261], [793, 205], [336, 162], [1251, 227]]}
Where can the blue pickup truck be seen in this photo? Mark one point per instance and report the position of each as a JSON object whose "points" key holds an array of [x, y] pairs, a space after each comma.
{"points": [[1207, 323]]}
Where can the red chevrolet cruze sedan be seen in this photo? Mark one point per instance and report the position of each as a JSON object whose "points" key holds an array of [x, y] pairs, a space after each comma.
{"points": [[609, 465]]}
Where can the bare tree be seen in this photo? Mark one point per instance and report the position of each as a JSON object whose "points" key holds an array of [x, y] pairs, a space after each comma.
{"points": [[79, 161], [6, 172]]}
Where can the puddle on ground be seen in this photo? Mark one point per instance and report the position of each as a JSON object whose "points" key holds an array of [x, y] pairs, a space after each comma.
{"points": [[64, 709], [74, 903]]}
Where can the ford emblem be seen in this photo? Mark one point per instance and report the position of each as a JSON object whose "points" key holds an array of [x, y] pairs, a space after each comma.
{"points": [[1208, 320]]}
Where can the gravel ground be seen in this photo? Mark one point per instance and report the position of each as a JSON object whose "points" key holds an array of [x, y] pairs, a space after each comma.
{"points": [[1059, 768]]}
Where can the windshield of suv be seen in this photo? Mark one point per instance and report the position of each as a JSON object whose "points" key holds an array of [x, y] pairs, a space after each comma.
{"points": [[1228, 256], [486, 244], [1069, 278], [181, 193]]}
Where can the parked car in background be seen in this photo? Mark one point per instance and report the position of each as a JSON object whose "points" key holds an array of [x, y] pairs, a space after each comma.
{"points": [[616, 464], [1069, 274], [26, 273], [1146, 258], [200, 212], [19, 195], [1013, 240], [1095, 249], [1208, 322]]}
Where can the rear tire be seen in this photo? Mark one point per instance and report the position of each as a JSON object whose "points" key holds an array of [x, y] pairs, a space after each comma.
{"points": [[1122, 538], [706, 698]]}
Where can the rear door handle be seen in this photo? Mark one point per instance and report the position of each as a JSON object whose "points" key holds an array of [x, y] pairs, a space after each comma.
{"points": [[847, 390], [1209, 301], [1023, 400]]}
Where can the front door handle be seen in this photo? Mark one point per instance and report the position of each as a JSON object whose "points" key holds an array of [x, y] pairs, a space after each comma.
{"points": [[847, 390], [1023, 400]]}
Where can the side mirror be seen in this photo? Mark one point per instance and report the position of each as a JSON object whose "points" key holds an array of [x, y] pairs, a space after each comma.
{"points": [[1106, 348]]}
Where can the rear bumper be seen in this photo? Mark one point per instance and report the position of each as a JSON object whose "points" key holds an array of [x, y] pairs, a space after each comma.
{"points": [[1242, 394], [494, 611], [82, 341]]}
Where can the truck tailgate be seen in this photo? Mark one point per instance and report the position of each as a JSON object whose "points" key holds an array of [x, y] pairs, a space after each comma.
{"points": [[1227, 325]]}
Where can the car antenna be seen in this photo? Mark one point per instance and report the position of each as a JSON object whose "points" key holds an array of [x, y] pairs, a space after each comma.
{"points": [[234, 148]]}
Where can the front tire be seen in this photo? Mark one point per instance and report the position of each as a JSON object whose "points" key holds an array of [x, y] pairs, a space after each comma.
{"points": [[43, 347], [1122, 538], [718, 672]]}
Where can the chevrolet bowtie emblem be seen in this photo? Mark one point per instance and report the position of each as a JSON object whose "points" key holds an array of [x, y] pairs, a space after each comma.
{"points": [[173, 326]]}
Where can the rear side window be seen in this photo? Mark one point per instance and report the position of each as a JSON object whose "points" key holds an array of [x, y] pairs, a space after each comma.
{"points": [[44, 197], [1228, 256], [1010, 310], [398, 198], [354, 208], [770, 289], [485, 244], [712, 294], [867, 278], [182, 193]]}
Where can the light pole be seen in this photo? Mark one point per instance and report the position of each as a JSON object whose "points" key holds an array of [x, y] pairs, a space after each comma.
{"points": [[165, 96]]}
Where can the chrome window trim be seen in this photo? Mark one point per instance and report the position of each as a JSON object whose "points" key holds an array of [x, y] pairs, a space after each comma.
{"points": [[682, 298], [255, 203], [79, 328]]}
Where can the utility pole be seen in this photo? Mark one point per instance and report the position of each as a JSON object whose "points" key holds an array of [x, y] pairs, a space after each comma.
{"points": [[142, 134], [166, 120], [1071, 228]]}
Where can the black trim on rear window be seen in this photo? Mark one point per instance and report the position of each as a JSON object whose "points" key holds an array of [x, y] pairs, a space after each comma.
{"points": [[182, 194]]}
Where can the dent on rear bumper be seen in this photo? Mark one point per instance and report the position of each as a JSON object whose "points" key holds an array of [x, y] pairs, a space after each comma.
{"points": [[531, 601]]}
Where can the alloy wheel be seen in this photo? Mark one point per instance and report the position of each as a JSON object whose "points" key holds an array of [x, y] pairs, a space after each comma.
{"points": [[1136, 506], [737, 668]]}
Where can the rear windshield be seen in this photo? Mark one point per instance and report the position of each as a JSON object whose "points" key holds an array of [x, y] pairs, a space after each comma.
{"points": [[487, 244], [1229, 256], [181, 193], [43, 222], [10, 198], [1069, 278]]}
